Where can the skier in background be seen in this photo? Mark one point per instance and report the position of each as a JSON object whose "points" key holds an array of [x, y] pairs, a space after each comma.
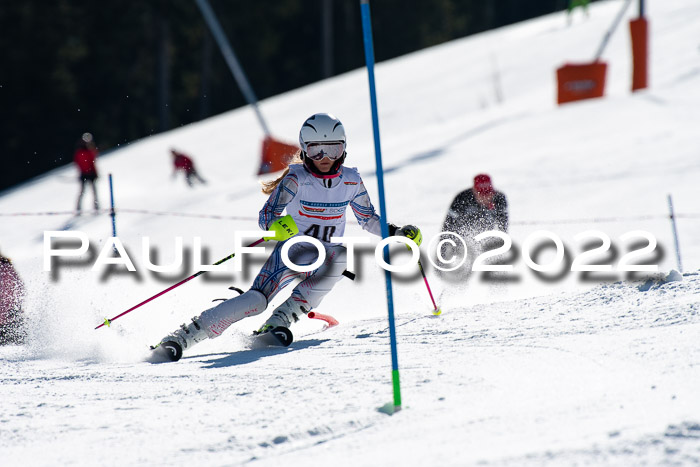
{"points": [[316, 190], [11, 296], [477, 209], [573, 4], [84, 158], [473, 211], [184, 163]]}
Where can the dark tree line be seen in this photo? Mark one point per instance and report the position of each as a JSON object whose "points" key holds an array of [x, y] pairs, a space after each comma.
{"points": [[124, 70]]}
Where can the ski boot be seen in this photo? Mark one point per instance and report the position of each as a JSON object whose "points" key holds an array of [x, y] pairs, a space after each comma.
{"points": [[173, 344]]}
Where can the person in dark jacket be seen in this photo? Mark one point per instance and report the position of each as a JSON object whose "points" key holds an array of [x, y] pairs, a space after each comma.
{"points": [[12, 329], [84, 158], [477, 209], [473, 211], [184, 163]]}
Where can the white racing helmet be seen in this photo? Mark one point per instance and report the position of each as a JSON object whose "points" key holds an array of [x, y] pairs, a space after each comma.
{"points": [[321, 128]]}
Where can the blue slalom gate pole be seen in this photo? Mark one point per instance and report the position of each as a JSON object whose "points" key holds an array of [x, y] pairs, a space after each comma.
{"points": [[111, 211], [369, 58]]}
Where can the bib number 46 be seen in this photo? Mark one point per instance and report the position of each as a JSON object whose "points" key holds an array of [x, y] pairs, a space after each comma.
{"points": [[315, 230]]}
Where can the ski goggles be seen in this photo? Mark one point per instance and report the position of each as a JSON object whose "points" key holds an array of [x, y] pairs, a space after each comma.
{"points": [[333, 151]]}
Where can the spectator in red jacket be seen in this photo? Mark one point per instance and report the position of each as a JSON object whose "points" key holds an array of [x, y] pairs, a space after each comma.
{"points": [[184, 163], [84, 158], [12, 329]]}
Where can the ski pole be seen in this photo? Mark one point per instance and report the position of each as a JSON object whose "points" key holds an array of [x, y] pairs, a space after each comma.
{"points": [[417, 237], [283, 229], [436, 309], [108, 322]]}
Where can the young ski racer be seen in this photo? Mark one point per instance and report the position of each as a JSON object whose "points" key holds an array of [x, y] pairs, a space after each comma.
{"points": [[316, 191]]}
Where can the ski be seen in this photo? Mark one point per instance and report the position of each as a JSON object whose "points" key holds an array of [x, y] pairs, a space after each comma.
{"points": [[167, 351], [279, 336]]}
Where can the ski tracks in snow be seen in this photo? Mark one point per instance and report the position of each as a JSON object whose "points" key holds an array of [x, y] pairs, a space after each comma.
{"points": [[607, 371]]}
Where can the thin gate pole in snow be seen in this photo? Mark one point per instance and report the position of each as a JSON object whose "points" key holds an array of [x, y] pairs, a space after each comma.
{"points": [[231, 60], [369, 58], [675, 233], [111, 211]]}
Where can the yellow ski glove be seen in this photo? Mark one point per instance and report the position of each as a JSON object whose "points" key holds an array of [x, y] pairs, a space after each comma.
{"points": [[284, 228], [412, 232]]}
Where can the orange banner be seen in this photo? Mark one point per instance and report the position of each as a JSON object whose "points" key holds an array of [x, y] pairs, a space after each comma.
{"points": [[275, 155], [576, 82], [640, 53]]}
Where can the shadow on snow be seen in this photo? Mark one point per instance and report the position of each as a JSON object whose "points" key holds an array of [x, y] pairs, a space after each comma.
{"points": [[243, 357]]}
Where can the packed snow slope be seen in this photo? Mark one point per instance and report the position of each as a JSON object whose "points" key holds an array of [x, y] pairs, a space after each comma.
{"points": [[521, 368]]}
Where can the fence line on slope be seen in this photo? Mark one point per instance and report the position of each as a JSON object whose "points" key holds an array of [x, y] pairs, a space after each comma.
{"points": [[573, 221]]}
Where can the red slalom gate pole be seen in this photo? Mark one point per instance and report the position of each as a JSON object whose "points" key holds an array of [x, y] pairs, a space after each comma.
{"points": [[327, 318], [108, 322]]}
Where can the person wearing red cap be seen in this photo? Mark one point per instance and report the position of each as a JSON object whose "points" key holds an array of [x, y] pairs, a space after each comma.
{"points": [[477, 209]]}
